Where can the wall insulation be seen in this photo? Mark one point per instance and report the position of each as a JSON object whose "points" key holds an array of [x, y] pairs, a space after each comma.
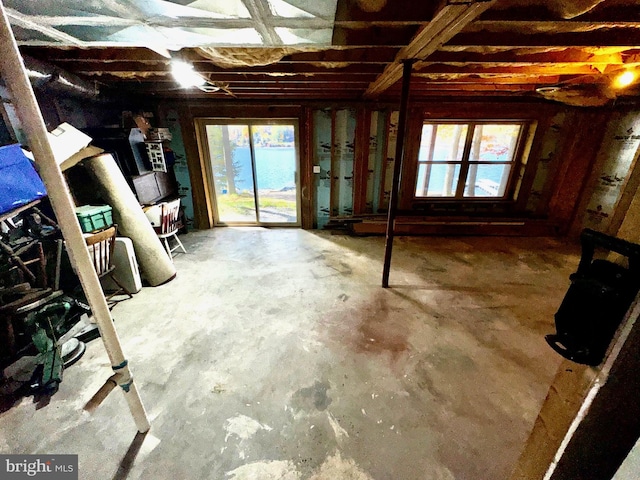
{"points": [[344, 131], [334, 133], [322, 133], [392, 139], [617, 156], [552, 143], [377, 142]]}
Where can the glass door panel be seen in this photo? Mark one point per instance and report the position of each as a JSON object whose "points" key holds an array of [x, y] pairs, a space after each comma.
{"points": [[230, 153], [252, 170], [275, 172]]}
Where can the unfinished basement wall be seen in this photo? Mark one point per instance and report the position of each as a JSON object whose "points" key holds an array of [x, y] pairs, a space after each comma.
{"points": [[56, 109], [613, 184], [79, 112], [354, 150], [347, 158], [549, 157], [171, 119], [88, 113]]}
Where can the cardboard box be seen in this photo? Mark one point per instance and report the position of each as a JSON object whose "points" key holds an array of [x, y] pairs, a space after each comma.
{"points": [[69, 146], [66, 141]]}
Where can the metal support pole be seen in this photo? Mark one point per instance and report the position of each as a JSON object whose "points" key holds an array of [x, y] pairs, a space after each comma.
{"points": [[24, 100], [397, 170]]}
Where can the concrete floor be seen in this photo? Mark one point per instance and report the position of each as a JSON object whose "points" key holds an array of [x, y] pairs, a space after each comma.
{"points": [[275, 354]]}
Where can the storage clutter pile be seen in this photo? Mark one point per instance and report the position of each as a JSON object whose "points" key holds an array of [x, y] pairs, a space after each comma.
{"points": [[40, 299], [44, 314], [43, 309]]}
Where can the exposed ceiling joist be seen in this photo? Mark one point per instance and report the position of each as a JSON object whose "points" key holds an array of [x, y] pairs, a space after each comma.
{"points": [[489, 69], [181, 22], [549, 26], [523, 39], [260, 13], [25, 21], [452, 18], [561, 55], [447, 23], [564, 56], [291, 69], [539, 11], [449, 87], [512, 48], [485, 78]]}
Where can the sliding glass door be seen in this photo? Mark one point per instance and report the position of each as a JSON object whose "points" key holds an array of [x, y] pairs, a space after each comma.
{"points": [[252, 170]]}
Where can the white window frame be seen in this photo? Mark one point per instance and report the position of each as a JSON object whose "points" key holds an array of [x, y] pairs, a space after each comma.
{"points": [[464, 163]]}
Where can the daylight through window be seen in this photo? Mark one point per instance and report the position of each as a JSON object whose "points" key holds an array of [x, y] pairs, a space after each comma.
{"points": [[466, 160]]}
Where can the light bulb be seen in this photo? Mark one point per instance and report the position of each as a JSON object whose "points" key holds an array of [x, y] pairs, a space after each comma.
{"points": [[625, 79], [185, 75]]}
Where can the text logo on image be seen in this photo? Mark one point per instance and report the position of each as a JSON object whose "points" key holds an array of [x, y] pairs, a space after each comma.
{"points": [[50, 467]]}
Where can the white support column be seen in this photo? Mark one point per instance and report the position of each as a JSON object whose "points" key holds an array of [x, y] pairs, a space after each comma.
{"points": [[15, 77]]}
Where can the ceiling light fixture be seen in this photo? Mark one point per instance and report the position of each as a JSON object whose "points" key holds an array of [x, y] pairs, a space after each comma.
{"points": [[625, 79], [185, 75]]}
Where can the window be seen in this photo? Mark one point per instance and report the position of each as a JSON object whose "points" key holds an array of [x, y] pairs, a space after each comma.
{"points": [[467, 160]]}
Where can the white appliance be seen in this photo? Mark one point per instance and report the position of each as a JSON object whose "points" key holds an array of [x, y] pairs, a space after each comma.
{"points": [[126, 267]]}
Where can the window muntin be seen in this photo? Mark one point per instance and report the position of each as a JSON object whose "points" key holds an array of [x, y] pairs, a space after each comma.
{"points": [[467, 160]]}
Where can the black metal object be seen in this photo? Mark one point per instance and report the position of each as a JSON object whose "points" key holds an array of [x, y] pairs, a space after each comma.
{"points": [[397, 170], [600, 294]]}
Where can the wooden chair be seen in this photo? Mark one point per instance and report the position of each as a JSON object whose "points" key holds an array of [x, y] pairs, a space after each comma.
{"points": [[101, 246], [169, 226]]}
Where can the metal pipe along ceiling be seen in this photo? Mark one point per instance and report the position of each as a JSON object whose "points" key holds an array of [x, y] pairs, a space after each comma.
{"points": [[49, 77]]}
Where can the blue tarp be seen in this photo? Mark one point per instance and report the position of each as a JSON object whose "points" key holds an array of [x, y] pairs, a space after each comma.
{"points": [[19, 181]]}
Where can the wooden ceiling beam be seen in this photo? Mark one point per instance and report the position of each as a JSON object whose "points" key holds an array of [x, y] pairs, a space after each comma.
{"points": [[452, 18], [555, 26], [502, 69], [154, 81], [470, 87], [170, 86], [275, 70], [262, 18], [598, 38], [25, 21], [275, 89], [379, 54], [446, 54], [605, 12], [351, 84], [435, 79], [339, 83], [302, 96], [180, 22], [98, 54], [562, 56], [484, 49]]}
